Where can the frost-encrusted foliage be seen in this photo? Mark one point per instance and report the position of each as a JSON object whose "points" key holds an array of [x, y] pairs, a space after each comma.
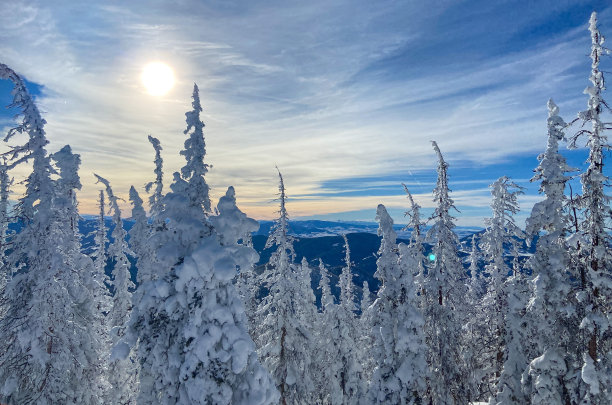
{"points": [[122, 373], [49, 354], [339, 370], [595, 253], [552, 309], [156, 204], [500, 236], [283, 335], [5, 184], [188, 324], [195, 149], [400, 373], [442, 288]]}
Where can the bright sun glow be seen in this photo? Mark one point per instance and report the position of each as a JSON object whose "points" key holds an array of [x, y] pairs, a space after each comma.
{"points": [[158, 78]]}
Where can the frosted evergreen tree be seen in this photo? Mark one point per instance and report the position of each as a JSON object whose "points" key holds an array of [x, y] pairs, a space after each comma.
{"points": [[99, 254], [327, 372], [5, 184], [122, 372], [284, 339], [552, 309], [189, 325], [475, 289], [416, 238], [139, 237], [596, 254], [442, 288], [399, 348], [475, 341], [347, 358], [156, 204], [48, 350], [365, 337], [194, 152], [101, 299], [501, 231]]}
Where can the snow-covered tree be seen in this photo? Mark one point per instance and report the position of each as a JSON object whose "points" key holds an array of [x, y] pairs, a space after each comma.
{"points": [[499, 236], [139, 237], [365, 337], [327, 373], [48, 350], [284, 338], [595, 250], [344, 321], [416, 237], [122, 372], [156, 204], [5, 184], [399, 348], [195, 150], [475, 341], [442, 288], [188, 324], [552, 376]]}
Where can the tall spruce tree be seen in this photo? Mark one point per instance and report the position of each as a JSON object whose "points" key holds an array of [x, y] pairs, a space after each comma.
{"points": [[442, 288], [552, 309], [48, 350], [596, 256], [500, 235], [399, 348], [188, 323], [284, 338], [122, 373]]}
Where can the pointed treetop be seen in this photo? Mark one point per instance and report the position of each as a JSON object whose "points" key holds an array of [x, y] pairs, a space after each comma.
{"points": [[414, 213], [195, 150], [279, 235], [68, 164], [155, 200]]}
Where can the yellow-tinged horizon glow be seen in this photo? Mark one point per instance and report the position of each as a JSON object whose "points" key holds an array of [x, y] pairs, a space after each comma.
{"points": [[158, 78]]}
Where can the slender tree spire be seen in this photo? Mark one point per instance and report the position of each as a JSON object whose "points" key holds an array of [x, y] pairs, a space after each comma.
{"points": [[596, 210], [195, 150], [156, 204], [442, 288], [122, 373]]}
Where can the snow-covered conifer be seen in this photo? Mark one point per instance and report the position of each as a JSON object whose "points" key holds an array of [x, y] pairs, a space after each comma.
{"points": [[552, 306], [327, 373], [595, 250], [501, 231], [189, 325], [195, 150], [442, 289], [416, 237], [350, 375], [122, 372], [156, 204], [399, 348], [48, 350], [139, 237], [5, 183], [365, 337], [284, 339]]}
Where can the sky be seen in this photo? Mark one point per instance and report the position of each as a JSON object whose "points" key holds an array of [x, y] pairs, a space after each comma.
{"points": [[343, 96]]}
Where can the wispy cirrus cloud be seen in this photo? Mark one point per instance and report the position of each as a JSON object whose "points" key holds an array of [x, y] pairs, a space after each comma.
{"points": [[327, 91]]}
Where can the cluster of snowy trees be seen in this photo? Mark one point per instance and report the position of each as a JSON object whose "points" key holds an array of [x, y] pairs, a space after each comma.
{"points": [[204, 327]]}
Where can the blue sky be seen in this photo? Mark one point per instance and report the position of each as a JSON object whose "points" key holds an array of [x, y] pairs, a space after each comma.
{"points": [[343, 96]]}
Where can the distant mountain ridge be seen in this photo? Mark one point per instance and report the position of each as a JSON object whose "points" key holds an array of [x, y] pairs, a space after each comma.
{"points": [[317, 228], [321, 240]]}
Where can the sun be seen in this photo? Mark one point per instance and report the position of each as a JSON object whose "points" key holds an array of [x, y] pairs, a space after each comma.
{"points": [[158, 78]]}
